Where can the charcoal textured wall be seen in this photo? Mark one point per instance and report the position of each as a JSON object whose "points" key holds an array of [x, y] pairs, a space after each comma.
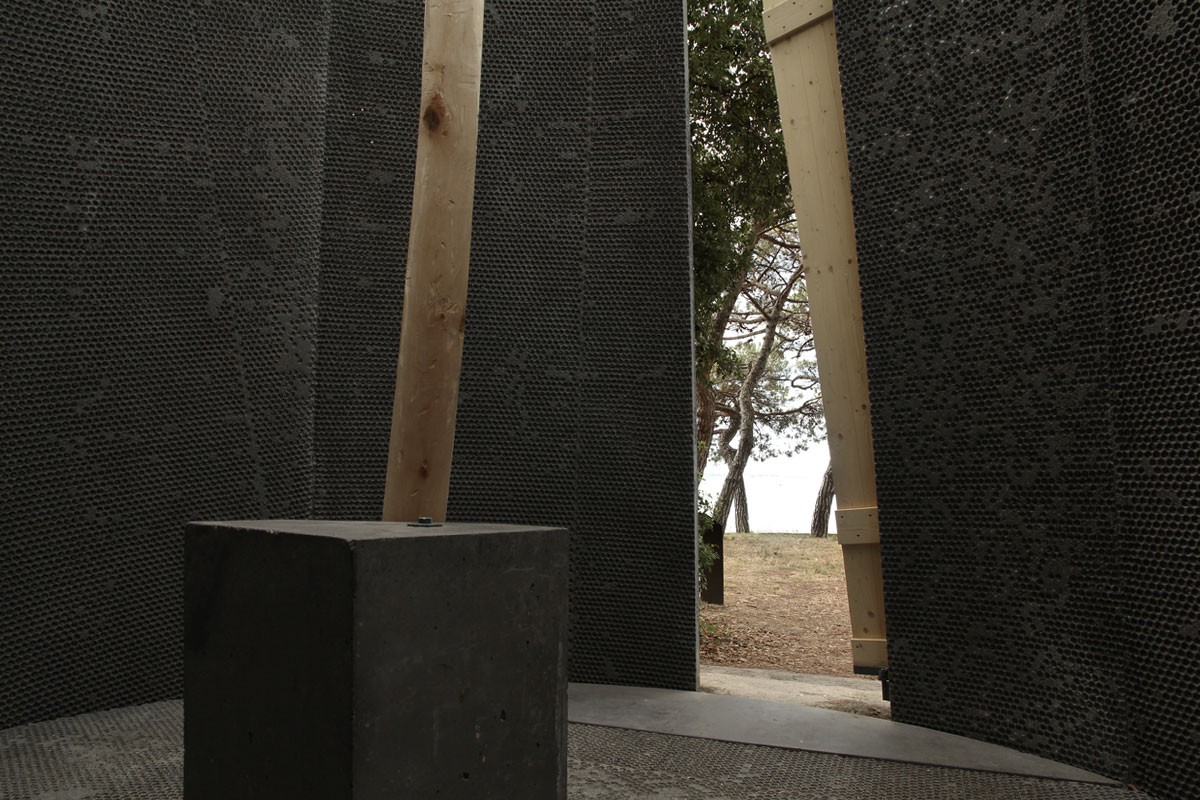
{"points": [[1025, 181], [203, 226]]}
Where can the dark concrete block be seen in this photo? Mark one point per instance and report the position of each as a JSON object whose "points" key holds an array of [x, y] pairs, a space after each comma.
{"points": [[369, 659]]}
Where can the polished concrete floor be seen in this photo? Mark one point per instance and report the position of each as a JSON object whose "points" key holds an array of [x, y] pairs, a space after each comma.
{"points": [[623, 743]]}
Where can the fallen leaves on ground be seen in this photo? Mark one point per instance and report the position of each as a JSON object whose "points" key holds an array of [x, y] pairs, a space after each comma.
{"points": [[785, 607]]}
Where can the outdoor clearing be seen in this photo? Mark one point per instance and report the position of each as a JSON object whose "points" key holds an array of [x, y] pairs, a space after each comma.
{"points": [[785, 606]]}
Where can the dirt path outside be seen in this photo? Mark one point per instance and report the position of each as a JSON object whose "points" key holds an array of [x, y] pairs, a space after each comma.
{"points": [[785, 607]]}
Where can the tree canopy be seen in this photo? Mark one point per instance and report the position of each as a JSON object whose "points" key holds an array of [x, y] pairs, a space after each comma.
{"points": [[739, 165], [754, 384]]}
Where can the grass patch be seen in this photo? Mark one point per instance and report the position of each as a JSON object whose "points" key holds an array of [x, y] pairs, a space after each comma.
{"points": [[802, 555]]}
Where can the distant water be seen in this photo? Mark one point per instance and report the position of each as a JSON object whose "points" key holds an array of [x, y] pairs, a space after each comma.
{"points": [[781, 491]]}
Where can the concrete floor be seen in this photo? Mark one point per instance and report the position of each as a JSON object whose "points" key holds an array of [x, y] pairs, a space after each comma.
{"points": [[623, 743], [855, 695]]}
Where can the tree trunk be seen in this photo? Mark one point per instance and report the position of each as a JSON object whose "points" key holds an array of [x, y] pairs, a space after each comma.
{"points": [[745, 405], [706, 421], [742, 424], [820, 517], [706, 402], [741, 509]]}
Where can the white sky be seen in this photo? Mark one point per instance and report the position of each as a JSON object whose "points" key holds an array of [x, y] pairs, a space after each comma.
{"points": [[781, 490]]}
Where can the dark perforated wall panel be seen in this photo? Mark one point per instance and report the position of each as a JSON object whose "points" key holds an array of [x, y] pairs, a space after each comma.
{"points": [[1148, 88], [1025, 197], [630, 396], [574, 409], [374, 83], [158, 266], [203, 226]]}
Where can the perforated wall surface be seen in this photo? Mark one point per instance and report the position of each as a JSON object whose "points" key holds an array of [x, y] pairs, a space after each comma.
{"points": [[158, 257], [573, 409], [203, 226], [1149, 82], [1025, 197]]}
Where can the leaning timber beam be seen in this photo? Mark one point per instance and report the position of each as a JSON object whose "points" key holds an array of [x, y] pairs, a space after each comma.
{"points": [[804, 53]]}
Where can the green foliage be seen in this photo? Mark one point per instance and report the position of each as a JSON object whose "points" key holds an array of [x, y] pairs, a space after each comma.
{"points": [[707, 557], [706, 553], [760, 393], [739, 165]]}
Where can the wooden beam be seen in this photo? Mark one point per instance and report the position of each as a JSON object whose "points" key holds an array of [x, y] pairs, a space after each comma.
{"points": [[869, 651], [792, 16], [439, 247], [810, 102], [858, 526]]}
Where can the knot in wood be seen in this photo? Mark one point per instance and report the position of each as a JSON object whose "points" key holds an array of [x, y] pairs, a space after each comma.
{"points": [[434, 115]]}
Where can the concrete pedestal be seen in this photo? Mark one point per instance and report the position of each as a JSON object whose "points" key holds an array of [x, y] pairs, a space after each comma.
{"points": [[369, 660]]}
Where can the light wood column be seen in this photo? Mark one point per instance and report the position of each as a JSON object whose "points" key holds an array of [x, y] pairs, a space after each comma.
{"points": [[804, 53], [439, 248]]}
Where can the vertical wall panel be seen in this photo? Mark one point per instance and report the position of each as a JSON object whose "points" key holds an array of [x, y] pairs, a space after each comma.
{"points": [[575, 401], [1148, 112], [638, 591], [155, 318], [203, 226], [1024, 182], [371, 135]]}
